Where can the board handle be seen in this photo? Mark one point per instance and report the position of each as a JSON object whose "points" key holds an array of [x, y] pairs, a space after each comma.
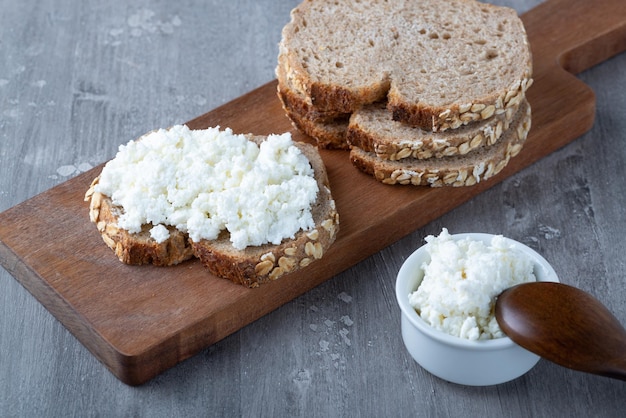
{"points": [[578, 33]]}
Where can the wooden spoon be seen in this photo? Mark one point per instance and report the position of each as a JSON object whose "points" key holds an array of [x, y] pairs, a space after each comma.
{"points": [[564, 325]]}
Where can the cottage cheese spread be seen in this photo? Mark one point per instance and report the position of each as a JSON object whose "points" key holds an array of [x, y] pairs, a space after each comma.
{"points": [[461, 281], [205, 181]]}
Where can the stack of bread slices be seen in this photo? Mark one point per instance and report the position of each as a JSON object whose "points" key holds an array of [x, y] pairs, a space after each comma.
{"points": [[422, 92]]}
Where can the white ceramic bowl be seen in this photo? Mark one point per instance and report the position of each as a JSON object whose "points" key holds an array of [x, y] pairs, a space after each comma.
{"points": [[458, 360]]}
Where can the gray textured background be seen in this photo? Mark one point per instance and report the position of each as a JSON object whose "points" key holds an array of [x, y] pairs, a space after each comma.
{"points": [[79, 78]]}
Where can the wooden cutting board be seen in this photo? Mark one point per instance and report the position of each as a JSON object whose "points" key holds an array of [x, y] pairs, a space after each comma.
{"points": [[141, 320]]}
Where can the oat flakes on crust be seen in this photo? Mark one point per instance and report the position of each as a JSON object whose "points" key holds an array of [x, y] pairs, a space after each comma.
{"points": [[135, 249], [453, 171]]}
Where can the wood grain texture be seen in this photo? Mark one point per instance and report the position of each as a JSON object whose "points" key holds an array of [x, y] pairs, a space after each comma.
{"points": [[79, 81]]}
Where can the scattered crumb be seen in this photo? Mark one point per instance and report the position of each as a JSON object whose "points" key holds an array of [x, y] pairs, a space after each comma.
{"points": [[66, 170], [345, 297], [344, 335], [70, 169], [347, 320], [549, 232]]}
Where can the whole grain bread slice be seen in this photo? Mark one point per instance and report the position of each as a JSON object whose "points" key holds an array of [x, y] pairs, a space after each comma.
{"points": [[250, 266], [373, 129], [439, 64], [459, 170]]}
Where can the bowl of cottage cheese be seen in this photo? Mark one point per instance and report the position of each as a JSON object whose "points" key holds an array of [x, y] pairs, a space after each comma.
{"points": [[447, 290]]}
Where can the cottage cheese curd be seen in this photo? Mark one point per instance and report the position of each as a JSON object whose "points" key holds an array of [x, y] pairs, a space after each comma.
{"points": [[461, 281], [206, 181]]}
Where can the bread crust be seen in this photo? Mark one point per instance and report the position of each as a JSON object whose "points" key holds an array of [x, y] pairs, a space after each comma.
{"points": [[454, 116], [249, 267], [328, 97], [135, 248], [328, 134], [453, 171], [373, 129], [295, 103]]}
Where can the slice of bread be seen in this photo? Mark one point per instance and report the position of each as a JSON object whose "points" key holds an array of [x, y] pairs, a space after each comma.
{"points": [[250, 266], [439, 64], [255, 265], [459, 170], [372, 129]]}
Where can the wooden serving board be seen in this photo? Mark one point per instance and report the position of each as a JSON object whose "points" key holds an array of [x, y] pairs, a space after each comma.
{"points": [[141, 320]]}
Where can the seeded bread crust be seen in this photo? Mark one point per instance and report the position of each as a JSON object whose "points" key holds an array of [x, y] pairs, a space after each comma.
{"points": [[249, 267], [439, 64], [134, 248], [372, 129], [456, 171], [253, 266]]}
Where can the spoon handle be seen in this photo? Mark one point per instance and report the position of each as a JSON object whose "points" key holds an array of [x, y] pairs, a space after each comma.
{"points": [[616, 369]]}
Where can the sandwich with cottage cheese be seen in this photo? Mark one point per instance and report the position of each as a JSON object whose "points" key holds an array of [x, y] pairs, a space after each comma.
{"points": [[251, 208]]}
